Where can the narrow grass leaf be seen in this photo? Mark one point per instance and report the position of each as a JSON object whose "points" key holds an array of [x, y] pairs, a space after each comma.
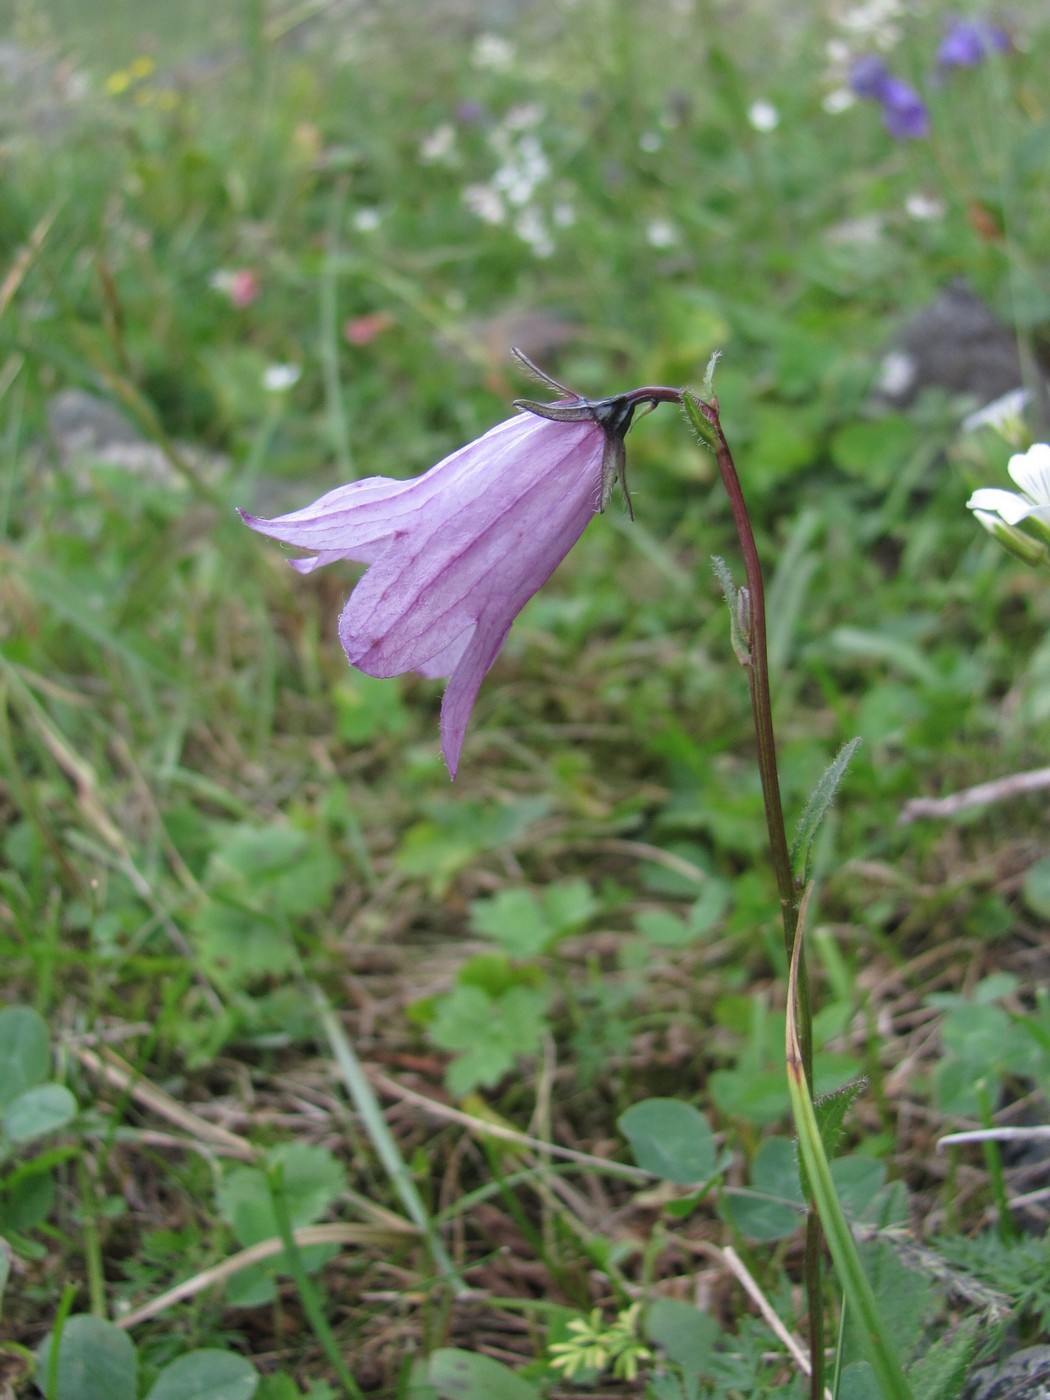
{"points": [[375, 1126], [855, 1285]]}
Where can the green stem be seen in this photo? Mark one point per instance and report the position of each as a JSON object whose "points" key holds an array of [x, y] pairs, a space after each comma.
{"points": [[858, 1291], [308, 1294]]}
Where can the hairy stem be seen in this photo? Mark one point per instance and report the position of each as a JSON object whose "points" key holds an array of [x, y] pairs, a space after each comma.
{"points": [[703, 416]]}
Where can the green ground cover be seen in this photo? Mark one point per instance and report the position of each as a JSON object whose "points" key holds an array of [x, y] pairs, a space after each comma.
{"points": [[296, 1028]]}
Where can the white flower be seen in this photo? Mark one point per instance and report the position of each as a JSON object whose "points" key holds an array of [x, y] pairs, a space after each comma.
{"points": [[279, 378], [763, 116], [661, 233], [493, 53], [366, 220], [530, 227], [924, 207], [438, 145], [524, 117], [486, 203], [896, 374], [1004, 414], [1031, 472]]}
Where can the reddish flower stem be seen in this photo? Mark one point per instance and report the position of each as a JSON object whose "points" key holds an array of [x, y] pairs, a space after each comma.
{"points": [[787, 886]]}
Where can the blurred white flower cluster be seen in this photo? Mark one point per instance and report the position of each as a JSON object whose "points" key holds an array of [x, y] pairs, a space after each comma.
{"points": [[509, 196]]}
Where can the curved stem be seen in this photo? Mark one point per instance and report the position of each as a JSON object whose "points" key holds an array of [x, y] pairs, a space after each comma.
{"points": [[704, 418]]}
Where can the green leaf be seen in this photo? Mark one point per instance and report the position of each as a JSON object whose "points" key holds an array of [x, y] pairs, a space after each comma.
{"points": [[26, 1202], [275, 868], [831, 1113], [516, 920], [859, 1382], [38, 1111], [1036, 888], [464, 1375], [25, 1051], [877, 449], [687, 1335], [671, 1139], [96, 1361], [206, 1374], [491, 1032], [817, 807], [776, 1209], [311, 1179], [859, 1183], [942, 1371], [569, 904], [758, 1097]]}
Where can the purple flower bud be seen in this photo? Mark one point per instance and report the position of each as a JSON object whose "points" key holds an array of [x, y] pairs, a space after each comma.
{"points": [[904, 113], [867, 76], [456, 554], [969, 42]]}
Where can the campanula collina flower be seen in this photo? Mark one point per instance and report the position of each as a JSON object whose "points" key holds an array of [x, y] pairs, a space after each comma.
{"points": [[968, 42], [904, 114], [454, 555]]}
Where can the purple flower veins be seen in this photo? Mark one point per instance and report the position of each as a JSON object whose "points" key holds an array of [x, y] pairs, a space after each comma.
{"points": [[455, 554]]}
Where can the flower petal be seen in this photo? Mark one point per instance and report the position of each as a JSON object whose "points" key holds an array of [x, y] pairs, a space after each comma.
{"points": [[483, 547], [456, 553], [1031, 471], [1008, 505]]}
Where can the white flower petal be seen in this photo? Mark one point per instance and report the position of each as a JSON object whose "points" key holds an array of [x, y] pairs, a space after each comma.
{"points": [[1031, 471], [1008, 505]]}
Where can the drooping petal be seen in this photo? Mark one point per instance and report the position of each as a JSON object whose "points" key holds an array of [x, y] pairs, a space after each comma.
{"points": [[482, 548], [455, 554]]}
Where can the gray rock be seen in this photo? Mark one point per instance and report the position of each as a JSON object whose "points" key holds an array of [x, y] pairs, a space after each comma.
{"points": [[1023, 1376], [956, 342], [87, 431]]}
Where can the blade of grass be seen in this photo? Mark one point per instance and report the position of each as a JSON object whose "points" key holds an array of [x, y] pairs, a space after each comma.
{"points": [[374, 1124], [339, 428], [308, 1293], [858, 1291]]}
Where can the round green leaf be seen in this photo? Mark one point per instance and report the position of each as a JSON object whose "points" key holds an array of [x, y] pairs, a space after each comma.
{"points": [[1036, 889], [207, 1374], [464, 1375], [25, 1052], [671, 1139], [38, 1111], [686, 1334], [775, 1207], [96, 1361]]}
